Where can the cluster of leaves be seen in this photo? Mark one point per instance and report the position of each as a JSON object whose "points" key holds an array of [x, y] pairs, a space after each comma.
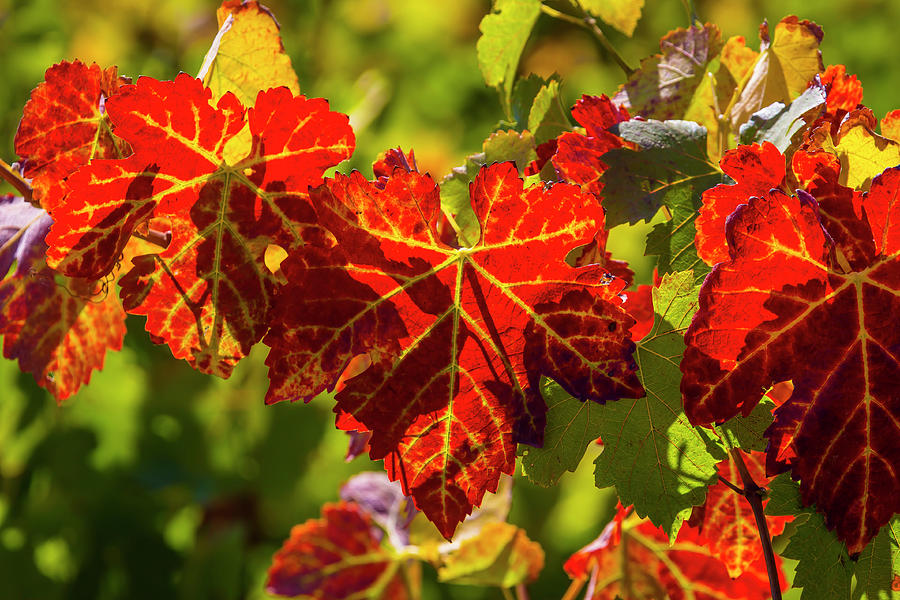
{"points": [[464, 322]]}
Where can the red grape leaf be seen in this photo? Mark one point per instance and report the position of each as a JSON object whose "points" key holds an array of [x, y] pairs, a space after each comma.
{"points": [[755, 169], [782, 308], [726, 520], [458, 337], [648, 568], [577, 157], [845, 92], [208, 294], [58, 328], [335, 558], [64, 126]]}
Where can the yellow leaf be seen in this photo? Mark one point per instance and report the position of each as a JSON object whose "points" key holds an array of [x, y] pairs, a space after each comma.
{"points": [[247, 55], [862, 152], [621, 14], [783, 69], [890, 125]]}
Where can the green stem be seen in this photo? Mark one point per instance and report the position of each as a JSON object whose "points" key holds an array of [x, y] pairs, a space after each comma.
{"points": [[507, 595], [588, 22]]}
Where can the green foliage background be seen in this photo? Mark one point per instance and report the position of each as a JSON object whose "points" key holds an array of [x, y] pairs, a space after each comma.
{"points": [[158, 482]]}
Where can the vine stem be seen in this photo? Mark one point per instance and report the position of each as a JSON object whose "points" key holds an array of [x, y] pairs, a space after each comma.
{"points": [[8, 173], [751, 492], [159, 238], [588, 22]]}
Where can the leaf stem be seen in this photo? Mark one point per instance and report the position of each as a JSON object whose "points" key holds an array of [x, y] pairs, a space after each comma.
{"points": [[751, 492], [733, 487], [507, 595], [12, 177], [574, 588], [588, 22], [521, 592]]}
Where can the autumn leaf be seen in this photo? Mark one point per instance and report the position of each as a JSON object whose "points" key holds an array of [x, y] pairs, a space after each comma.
{"points": [[247, 55], [458, 337], [788, 61], [639, 564], [845, 92], [499, 555], [664, 85], [726, 519], [64, 126], [780, 124], [890, 125], [755, 169], [58, 328], [862, 152], [208, 293], [783, 308], [335, 558], [578, 157]]}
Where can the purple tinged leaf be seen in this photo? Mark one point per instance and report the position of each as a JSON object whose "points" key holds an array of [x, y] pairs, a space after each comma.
{"points": [[383, 500], [24, 247]]}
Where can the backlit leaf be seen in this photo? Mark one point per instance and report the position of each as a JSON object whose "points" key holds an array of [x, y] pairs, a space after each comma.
{"points": [[779, 124], [247, 56], [782, 309], [208, 294], [571, 426], [654, 457], [500, 555], [335, 558], [503, 35], [641, 565], [755, 169], [458, 337], [64, 126], [862, 152], [58, 328], [786, 64]]}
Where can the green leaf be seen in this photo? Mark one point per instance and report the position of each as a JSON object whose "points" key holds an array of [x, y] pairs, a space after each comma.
{"points": [[547, 118], [670, 167], [503, 35], [621, 14], [778, 123], [673, 240], [509, 145], [877, 565], [571, 426], [747, 432], [455, 195], [652, 454]]}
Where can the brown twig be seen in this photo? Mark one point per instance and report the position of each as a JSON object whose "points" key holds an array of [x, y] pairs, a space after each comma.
{"points": [[752, 493], [160, 238], [12, 177]]}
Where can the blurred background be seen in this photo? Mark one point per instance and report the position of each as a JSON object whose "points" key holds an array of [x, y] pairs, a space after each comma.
{"points": [[158, 482]]}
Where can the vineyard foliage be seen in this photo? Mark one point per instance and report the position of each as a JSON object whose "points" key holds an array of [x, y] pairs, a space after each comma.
{"points": [[469, 321]]}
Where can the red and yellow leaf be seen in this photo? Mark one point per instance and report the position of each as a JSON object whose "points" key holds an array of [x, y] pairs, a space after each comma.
{"points": [[58, 328], [785, 308], [755, 169], [458, 337], [208, 293], [639, 564], [335, 558], [64, 126], [845, 92], [577, 157]]}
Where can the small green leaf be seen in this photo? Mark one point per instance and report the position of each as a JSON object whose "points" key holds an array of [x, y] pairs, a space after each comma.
{"points": [[652, 454], [571, 426], [455, 195], [503, 35], [547, 118], [673, 240], [747, 432], [509, 145]]}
